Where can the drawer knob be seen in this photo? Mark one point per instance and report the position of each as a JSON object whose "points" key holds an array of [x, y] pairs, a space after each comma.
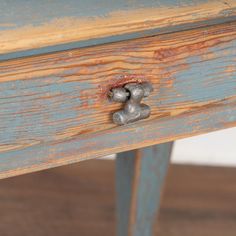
{"points": [[131, 94]]}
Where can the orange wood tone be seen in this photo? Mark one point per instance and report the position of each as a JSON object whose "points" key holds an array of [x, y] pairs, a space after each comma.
{"points": [[73, 28]]}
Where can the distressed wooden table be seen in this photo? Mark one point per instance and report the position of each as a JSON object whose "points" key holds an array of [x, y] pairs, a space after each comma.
{"points": [[61, 60]]}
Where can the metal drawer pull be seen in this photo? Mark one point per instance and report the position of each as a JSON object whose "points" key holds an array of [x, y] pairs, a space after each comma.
{"points": [[131, 94]]}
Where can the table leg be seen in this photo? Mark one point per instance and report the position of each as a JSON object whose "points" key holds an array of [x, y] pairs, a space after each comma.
{"points": [[139, 179]]}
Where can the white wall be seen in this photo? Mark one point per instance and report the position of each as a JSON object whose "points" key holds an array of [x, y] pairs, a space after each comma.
{"points": [[216, 148]]}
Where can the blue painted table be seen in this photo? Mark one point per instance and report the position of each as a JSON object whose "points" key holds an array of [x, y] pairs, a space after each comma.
{"points": [[59, 61]]}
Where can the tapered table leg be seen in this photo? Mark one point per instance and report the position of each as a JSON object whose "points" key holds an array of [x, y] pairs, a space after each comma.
{"points": [[139, 179]]}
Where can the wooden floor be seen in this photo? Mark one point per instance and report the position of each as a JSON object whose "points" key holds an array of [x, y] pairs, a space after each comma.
{"points": [[80, 199]]}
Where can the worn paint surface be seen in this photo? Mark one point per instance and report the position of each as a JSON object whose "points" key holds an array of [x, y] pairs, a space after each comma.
{"points": [[139, 179], [54, 108], [49, 23], [55, 97], [125, 175], [39, 12], [142, 134]]}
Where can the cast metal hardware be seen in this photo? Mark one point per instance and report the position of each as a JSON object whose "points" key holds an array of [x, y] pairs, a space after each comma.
{"points": [[131, 94]]}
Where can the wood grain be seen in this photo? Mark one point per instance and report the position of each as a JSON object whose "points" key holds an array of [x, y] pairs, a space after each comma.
{"points": [[54, 108], [80, 200], [49, 23]]}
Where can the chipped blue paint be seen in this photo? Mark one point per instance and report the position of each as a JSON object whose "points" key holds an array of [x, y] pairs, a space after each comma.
{"points": [[64, 106], [115, 38], [42, 12], [41, 108], [14, 14], [60, 110], [154, 168], [146, 195], [125, 172], [205, 72], [192, 84], [47, 155]]}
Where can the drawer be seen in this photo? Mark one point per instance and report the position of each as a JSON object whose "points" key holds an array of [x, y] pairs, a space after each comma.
{"points": [[54, 108]]}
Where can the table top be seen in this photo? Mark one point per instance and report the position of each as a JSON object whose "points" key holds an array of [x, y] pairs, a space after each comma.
{"points": [[33, 27]]}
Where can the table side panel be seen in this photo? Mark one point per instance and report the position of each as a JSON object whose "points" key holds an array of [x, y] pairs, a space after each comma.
{"points": [[54, 108]]}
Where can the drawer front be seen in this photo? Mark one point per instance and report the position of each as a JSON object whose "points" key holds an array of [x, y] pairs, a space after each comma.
{"points": [[54, 108]]}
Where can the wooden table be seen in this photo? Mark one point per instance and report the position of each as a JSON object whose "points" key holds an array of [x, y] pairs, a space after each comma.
{"points": [[59, 60]]}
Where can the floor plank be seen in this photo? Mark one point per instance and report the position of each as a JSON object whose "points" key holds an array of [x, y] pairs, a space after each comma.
{"points": [[79, 200]]}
